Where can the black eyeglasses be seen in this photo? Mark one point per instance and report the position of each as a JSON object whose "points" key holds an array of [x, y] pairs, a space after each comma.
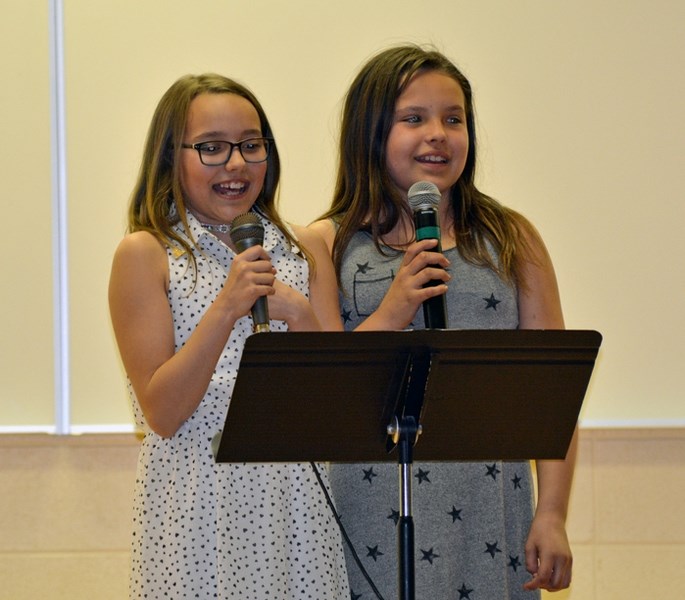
{"points": [[217, 153]]}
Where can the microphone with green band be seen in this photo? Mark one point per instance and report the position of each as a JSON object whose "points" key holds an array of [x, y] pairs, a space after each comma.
{"points": [[424, 198]]}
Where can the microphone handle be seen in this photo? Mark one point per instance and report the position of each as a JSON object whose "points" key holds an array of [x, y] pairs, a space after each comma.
{"points": [[427, 228], [434, 309], [260, 309], [260, 315]]}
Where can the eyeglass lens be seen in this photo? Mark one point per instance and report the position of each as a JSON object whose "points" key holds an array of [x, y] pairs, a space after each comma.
{"points": [[253, 150]]}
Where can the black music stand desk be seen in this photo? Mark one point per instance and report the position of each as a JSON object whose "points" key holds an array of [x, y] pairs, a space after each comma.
{"points": [[356, 397]]}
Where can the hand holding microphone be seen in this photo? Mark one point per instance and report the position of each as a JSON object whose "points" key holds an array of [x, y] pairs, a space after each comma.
{"points": [[247, 231], [424, 198]]}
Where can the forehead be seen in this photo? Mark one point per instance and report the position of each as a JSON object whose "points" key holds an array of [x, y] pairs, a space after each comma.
{"points": [[221, 113], [430, 86]]}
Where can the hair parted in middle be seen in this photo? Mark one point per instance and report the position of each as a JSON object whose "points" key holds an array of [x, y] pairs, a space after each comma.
{"points": [[366, 198]]}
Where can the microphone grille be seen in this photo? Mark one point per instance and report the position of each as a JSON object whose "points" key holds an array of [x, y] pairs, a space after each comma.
{"points": [[423, 194], [247, 225]]}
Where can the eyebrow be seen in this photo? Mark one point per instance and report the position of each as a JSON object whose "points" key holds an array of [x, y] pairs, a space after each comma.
{"points": [[453, 108], [217, 135]]}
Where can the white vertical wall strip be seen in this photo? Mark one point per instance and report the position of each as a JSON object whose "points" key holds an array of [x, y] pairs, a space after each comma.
{"points": [[59, 218]]}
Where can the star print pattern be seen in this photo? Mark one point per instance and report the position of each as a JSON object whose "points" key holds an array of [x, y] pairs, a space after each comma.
{"points": [[422, 476], [431, 551], [208, 530], [491, 302], [374, 552], [476, 297], [514, 562], [369, 475], [364, 268], [493, 471], [492, 549], [470, 519], [429, 555], [455, 514]]}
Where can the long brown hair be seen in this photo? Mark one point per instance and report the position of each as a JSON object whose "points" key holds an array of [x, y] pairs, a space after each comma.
{"points": [[365, 197], [157, 201]]}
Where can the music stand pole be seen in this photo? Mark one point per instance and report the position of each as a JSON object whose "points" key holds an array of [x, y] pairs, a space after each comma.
{"points": [[408, 432], [404, 432]]}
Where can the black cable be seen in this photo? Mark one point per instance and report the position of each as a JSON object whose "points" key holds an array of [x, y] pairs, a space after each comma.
{"points": [[344, 533]]}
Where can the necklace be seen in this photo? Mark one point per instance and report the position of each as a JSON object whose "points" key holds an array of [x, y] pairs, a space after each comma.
{"points": [[221, 228]]}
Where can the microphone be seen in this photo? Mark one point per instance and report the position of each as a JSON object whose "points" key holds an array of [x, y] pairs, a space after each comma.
{"points": [[424, 198], [247, 231]]}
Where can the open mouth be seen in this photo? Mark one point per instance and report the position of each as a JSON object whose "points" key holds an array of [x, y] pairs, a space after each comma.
{"points": [[232, 188], [432, 159]]}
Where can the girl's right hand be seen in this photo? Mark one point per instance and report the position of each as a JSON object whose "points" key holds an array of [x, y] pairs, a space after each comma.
{"points": [[421, 264], [251, 276]]}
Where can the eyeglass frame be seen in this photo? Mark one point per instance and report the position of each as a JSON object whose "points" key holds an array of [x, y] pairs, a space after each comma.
{"points": [[269, 141]]}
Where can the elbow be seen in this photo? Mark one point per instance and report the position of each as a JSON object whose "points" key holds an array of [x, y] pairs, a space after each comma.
{"points": [[164, 412], [166, 433], [164, 428]]}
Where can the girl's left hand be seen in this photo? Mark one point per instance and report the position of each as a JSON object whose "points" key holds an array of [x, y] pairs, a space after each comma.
{"points": [[548, 554], [291, 306]]}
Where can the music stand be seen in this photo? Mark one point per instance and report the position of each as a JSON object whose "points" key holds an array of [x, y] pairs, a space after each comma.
{"points": [[354, 397]]}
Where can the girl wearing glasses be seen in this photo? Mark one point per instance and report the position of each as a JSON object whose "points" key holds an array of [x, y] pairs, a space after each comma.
{"points": [[180, 300], [408, 118]]}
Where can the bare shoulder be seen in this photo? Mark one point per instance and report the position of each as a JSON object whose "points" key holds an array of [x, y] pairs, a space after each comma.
{"points": [[306, 234], [326, 230], [139, 256], [539, 301], [531, 249], [309, 236], [525, 228], [139, 245]]}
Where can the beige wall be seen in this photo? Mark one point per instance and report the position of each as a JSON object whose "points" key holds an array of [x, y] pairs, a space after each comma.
{"points": [[65, 516], [26, 301], [581, 128]]}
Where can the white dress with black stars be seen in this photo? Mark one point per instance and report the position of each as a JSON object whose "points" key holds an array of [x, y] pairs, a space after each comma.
{"points": [[207, 530]]}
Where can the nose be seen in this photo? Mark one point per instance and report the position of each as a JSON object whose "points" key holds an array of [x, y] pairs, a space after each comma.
{"points": [[435, 131], [235, 160]]}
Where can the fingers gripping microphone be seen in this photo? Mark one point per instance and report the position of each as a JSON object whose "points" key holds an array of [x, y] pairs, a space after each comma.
{"points": [[247, 231], [424, 198]]}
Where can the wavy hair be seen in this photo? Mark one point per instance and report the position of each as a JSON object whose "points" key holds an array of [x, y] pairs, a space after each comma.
{"points": [[157, 202], [365, 197]]}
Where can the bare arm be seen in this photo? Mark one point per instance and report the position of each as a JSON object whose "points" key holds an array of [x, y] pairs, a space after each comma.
{"points": [[323, 288], [170, 385], [548, 554]]}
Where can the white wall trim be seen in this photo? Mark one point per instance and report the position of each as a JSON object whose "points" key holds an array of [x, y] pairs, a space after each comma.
{"points": [[73, 429], [632, 423], [59, 219]]}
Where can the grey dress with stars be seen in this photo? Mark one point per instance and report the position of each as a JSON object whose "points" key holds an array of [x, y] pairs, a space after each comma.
{"points": [[471, 519]]}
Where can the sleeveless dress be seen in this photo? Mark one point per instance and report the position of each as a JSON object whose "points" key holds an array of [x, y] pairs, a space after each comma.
{"points": [[471, 520], [208, 530]]}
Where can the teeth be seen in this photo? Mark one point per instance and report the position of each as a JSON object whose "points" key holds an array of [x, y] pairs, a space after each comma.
{"points": [[433, 159], [233, 186]]}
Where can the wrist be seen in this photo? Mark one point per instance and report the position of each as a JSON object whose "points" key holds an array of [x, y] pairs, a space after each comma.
{"points": [[300, 315], [552, 514]]}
